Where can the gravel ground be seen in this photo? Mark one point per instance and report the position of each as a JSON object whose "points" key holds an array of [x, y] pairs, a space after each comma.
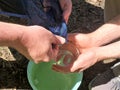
{"points": [[85, 18]]}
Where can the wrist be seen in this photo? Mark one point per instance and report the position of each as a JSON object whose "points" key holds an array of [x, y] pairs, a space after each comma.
{"points": [[100, 54], [105, 34], [110, 51], [103, 53]]}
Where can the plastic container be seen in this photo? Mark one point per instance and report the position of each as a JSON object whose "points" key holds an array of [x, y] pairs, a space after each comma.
{"points": [[42, 77], [68, 52]]}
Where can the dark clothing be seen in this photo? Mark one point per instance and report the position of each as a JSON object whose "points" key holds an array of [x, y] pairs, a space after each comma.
{"points": [[46, 13], [13, 6]]}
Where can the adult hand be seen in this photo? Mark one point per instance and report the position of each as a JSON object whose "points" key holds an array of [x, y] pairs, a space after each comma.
{"points": [[87, 57], [66, 6], [38, 44], [84, 61]]}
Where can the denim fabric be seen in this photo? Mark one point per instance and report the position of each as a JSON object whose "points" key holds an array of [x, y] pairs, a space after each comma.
{"points": [[46, 13]]}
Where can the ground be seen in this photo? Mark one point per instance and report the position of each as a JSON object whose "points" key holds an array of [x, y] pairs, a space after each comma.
{"points": [[85, 18]]}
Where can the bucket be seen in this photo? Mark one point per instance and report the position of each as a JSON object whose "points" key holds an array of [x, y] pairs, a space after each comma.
{"points": [[42, 77]]}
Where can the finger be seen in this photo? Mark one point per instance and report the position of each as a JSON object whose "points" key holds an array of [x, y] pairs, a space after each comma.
{"points": [[80, 63], [62, 69], [66, 68], [38, 60], [71, 37], [46, 58], [66, 14], [66, 6], [79, 70], [60, 40], [53, 51]]}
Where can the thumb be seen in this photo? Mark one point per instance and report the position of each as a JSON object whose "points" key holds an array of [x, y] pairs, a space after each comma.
{"points": [[60, 39], [81, 62], [72, 37]]}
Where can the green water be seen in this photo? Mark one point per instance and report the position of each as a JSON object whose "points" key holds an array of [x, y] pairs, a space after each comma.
{"points": [[42, 77]]}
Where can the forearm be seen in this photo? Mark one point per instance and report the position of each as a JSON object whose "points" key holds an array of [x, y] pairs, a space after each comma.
{"points": [[109, 51], [106, 33], [9, 33]]}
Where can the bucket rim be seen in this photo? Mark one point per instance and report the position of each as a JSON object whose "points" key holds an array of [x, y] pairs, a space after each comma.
{"points": [[75, 87]]}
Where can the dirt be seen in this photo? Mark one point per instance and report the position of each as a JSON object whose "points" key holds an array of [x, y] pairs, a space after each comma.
{"points": [[85, 18]]}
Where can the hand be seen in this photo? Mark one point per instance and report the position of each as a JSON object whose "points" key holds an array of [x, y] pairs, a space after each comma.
{"points": [[38, 44], [86, 58], [80, 40], [66, 6]]}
